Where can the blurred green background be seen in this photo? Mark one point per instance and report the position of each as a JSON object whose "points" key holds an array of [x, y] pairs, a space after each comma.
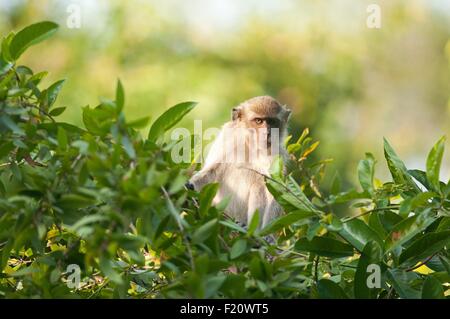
{"points": [[349, 84]]}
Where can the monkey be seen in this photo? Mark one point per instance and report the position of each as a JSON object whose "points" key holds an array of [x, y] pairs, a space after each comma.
{"points": [[241, 156]]}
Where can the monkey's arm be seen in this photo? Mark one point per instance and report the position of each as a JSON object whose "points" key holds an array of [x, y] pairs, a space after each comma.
{"points": [[257, 201], [213, 163], [205, 176]]}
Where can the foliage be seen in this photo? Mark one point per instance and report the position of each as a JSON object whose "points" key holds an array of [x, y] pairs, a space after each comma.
{"points": [[113, 203]]}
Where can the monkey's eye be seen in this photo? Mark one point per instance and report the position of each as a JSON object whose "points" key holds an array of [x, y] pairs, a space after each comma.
{"points": [[258, 121]]}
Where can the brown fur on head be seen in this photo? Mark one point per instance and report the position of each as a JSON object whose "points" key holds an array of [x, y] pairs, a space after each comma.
{"points": [[261, 112]]}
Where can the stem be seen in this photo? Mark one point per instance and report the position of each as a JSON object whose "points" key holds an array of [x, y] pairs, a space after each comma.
{"points": [[421, 263], [180, 226], [370, 211], [316, 269]]}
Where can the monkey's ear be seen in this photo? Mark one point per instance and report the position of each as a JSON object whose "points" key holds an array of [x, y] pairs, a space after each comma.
{"points": [[287, 113], [236, 113]]}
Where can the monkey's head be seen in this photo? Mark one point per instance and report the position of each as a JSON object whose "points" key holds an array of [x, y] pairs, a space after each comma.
{"points": [[262, 112]]}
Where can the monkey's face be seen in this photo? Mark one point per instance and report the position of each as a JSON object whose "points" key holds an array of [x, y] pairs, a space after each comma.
{"points": [[263, 115], [263, 125]]}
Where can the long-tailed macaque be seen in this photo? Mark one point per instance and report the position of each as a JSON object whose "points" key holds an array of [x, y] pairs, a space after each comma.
{"points": [[242, 154]]}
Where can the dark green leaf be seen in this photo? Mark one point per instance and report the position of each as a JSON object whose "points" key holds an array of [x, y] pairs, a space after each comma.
{"points": [[324, 246], [432, 289], [408, 228], [371, 254], [398, 169], [204, 231], [424, 247], [285, 220], [402, 283], [328, 289], [57, 111], [206, 197], [358, 233]]}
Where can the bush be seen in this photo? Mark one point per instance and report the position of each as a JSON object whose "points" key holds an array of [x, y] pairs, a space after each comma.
{"points": [[110, 206]]}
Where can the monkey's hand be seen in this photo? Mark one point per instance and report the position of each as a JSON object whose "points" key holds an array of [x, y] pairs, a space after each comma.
{"points": [[204, 176], [189, 186]]}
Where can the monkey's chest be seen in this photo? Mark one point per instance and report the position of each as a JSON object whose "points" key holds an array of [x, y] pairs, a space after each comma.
{"points": [[240, 185]]}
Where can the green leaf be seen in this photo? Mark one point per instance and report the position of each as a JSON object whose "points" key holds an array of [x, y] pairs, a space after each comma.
{"points": [[421, 177], [324, 246], [169, 119], [206, 198], [238, 248], [204, 231], [74, 201], [328, 289], [9, 123], [276, 169], [254, 223], [424, 247], [86, 220], [106, 267], [5, 253], [408, 228], [398, 169], [434, 163], [98, 120], [57, 111], [371, 254], [232, 225], [120, 96], [358, 233], [366, 171], [432, 289], [213, 284], [5, 54], [53, 91], [6, 80], [336, 184], [139, 123], [290, 196], [128, 146], [62, 138], [285, 220], [29, 36], [388, 220], [402, 283]]}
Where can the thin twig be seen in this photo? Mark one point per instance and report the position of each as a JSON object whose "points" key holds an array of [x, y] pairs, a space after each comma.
{"points": [[40, 110], [370, 211], [421, 263], [180, 226], [316, 269]]}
